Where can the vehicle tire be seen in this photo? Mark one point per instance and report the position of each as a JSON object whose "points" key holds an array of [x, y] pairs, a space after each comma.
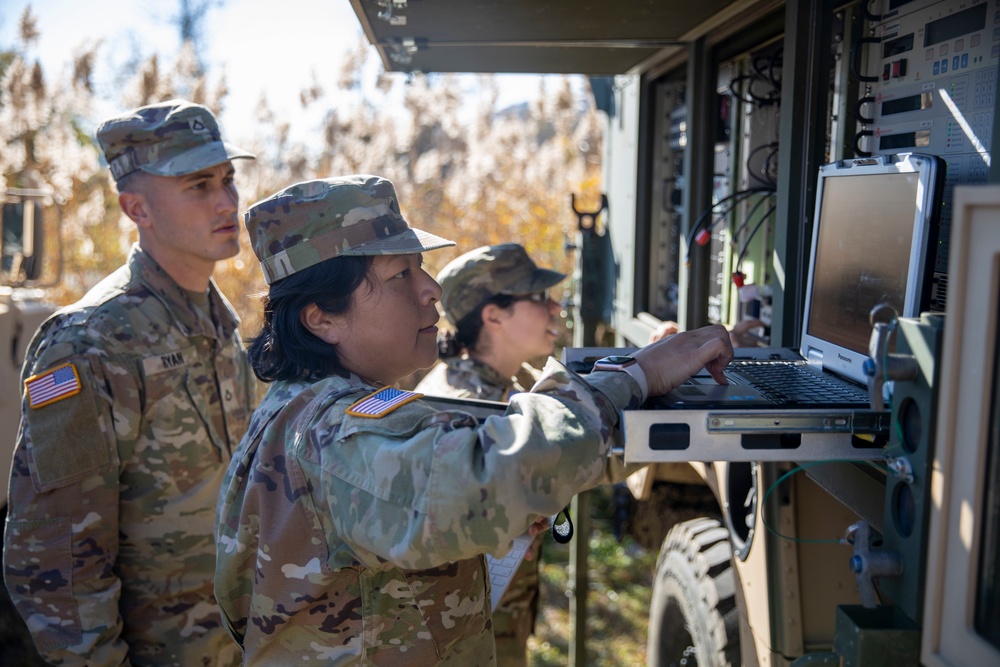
{"points": [[693, 618]]}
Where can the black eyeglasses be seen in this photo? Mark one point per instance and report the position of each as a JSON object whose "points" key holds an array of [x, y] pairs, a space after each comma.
{"points": [[535, 297]]}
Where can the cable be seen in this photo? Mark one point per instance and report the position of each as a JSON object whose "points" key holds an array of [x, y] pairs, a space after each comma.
{"points": [[746, 241], [773, 145], [800, 468], [857, 143], [747, 218], [853, 60], [739, 94], [868, 14], [696, 227]]}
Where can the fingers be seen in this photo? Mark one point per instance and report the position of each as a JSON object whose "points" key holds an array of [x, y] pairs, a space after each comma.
{"points": [[665, 328], [539, 526], [740, 335], [744, 326], [669, 362]]}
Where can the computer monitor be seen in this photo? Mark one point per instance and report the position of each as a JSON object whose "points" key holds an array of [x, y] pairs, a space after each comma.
{"points": [[875, 229], [962, 593]]}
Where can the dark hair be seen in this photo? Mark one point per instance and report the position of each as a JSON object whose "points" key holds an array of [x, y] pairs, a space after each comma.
{"points": [[467, 330], [285, 349], [131, 182]]}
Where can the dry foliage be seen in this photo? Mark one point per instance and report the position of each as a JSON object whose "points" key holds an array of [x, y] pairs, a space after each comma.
{"points": [[463, 168]]}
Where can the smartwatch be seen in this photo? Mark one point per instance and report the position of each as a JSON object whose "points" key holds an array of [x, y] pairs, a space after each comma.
{"points": [[624, 364]]}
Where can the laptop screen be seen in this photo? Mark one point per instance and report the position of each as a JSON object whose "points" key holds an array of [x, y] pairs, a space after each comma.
{"points": [[874, 224]]}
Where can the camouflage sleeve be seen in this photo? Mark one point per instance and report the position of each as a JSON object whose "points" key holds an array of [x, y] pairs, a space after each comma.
{"points": [[61, 538], [443, 487]]}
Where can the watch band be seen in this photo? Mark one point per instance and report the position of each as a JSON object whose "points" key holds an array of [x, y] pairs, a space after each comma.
{"points": [[625, 364]]}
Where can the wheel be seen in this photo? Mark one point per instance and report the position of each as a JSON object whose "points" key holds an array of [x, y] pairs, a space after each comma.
{"points": [[693, 619]]}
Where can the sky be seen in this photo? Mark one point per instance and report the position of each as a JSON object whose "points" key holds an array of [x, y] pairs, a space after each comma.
{"points": [[242, 38]]}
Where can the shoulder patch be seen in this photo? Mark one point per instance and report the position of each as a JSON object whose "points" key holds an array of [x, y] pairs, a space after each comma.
{"points": [[53, 385], [382, 402]]}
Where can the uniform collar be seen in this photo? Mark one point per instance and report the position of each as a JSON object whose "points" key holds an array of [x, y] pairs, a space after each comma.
{"points": [[485, 371], [190, 318]]}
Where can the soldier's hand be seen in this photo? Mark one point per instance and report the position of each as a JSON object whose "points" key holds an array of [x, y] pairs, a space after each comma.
{"points": [[669, 362], [664, 329]]}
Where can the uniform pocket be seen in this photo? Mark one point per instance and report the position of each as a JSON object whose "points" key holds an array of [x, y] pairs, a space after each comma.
{"points": [[453, 601]]}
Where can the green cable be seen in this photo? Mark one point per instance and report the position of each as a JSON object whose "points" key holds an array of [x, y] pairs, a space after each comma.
{"points": [[800, 468]]}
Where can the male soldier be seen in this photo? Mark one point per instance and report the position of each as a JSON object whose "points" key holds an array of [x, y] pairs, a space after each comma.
{"points": [[134, 398]]}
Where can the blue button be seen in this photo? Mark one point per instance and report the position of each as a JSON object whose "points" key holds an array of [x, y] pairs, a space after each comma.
{"points": [[965, 60], [944, 65], [937, 67], [954, 62]]}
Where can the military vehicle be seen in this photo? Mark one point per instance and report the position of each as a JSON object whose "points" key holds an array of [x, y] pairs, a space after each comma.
{"points": [[809, 542], [23, 304]]}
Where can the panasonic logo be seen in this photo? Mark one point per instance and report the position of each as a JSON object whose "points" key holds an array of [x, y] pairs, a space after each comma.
{"points": [[843, 358]]}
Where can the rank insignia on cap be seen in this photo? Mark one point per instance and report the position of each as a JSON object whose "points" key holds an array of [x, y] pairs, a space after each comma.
{"points": [[382, 403], [59, 383]]}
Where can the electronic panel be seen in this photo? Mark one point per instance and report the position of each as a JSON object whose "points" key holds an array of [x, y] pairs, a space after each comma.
{"points": [[670, 127], [932, 70]]}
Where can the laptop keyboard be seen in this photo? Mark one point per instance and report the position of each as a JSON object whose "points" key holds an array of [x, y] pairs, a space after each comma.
{"points": [[795, 382]]}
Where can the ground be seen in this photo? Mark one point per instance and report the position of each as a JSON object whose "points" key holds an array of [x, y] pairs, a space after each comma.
{"points": [[621, 576]]}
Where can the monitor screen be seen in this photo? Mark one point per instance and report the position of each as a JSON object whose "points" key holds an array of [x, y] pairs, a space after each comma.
{"points": [[865, 236]]}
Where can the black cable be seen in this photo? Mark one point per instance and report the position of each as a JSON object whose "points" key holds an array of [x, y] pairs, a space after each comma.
{"points": [[874, 18], [739, 94], [696, 227], [749, 216], [769, 167], [867, 99], [857, 143], [746, 242], [769, 183], [775, 60], [855, 50]]}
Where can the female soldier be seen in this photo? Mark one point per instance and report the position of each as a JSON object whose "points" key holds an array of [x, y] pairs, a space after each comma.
{"points": [[354, 517], [497, 300]]}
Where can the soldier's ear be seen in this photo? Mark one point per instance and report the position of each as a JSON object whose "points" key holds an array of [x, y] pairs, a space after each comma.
{"points": [[493, 315], [135, 206], [324, 326]]}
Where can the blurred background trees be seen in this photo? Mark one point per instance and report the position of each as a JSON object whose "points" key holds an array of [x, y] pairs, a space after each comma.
{"points": [[463, 168]]}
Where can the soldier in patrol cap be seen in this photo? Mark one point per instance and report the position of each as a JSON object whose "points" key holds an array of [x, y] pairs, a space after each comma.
{"points": [[133, 400], [499, 305], [354, 517]]}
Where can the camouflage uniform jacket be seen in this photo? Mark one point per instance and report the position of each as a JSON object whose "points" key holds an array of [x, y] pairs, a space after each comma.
{"points": [[347, 540], [466, 377], [109, 546]]}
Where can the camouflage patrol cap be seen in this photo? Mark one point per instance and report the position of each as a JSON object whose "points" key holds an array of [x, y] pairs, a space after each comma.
{"points": [[469, 280], [313, 221], [172, 138]]}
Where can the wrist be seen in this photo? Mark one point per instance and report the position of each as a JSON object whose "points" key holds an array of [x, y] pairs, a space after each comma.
{"points": [[625, 364]]}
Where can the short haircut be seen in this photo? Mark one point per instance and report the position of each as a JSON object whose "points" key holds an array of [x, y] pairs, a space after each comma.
{"points": [[285, 349], [132, 182]]}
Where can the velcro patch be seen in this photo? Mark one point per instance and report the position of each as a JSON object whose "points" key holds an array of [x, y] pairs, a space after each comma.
{"points": [[168, 361], [54, 385], [382, 403]]}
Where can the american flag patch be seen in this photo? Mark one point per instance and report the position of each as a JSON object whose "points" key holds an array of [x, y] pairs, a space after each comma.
{"points": [[382, 402], [59, 383]]}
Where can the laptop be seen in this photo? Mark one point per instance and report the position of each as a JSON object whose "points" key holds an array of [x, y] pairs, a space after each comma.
{"points": [[874, 241]]}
